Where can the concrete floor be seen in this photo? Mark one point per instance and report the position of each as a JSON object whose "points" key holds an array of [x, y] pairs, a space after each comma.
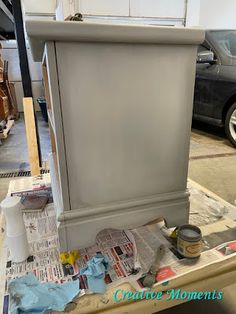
{"points": [[13, 150], [213, 161], [212, 164]]}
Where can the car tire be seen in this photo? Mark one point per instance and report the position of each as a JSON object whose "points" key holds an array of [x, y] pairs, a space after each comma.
{"points": [[230, 124]]}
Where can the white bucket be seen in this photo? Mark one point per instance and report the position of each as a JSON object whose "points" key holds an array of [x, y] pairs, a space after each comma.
{"points": [[15, 229], [18, 247]]}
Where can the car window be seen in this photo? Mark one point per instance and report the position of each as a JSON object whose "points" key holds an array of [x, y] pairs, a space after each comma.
{"points": [[203, 47], [226, 40]]}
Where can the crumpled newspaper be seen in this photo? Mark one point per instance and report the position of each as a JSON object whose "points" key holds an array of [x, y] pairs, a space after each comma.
{"points": [[204, 209], [28, 295]]}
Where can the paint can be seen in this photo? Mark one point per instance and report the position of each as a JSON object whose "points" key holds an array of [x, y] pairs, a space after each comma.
{"points": [[189, 241]]}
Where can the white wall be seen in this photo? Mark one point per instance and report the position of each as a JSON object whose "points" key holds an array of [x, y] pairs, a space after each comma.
{"points": [[204, 13], [10, 53], [134, 8], [43, 9], [39, 7], [165, 12], [193, 13], [104, 7], [218, 14], [66, 8], [157, 8]]}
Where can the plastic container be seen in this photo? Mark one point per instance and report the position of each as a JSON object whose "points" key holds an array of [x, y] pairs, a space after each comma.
{"points": [[43, 107], [15, 229], [18, 247]]}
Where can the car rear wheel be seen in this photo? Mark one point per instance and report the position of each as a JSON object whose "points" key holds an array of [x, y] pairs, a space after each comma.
{"points": [[230, 124]]}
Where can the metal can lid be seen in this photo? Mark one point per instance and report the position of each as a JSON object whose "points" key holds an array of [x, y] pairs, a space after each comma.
{"points": [[190, 233]]}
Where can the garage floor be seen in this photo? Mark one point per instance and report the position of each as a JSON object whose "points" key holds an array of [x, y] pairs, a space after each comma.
{"points": [[13, 150], [213, 161], [212, 164]]}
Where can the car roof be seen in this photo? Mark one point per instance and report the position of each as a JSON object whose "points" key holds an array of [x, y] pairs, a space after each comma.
{"points": [[220, 30]]}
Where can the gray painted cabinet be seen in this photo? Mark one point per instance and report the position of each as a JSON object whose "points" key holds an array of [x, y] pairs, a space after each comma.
{"points": [[120, 106]]}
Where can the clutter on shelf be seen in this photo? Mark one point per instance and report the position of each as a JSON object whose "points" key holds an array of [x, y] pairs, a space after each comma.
{"points": [[8, 104]]}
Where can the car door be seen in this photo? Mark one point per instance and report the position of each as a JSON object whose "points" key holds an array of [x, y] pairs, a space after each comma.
{"points": [[205, 85]]}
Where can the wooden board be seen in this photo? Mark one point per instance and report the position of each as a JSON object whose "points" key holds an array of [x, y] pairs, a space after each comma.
{"points": [[31, 136], [13, 95]]}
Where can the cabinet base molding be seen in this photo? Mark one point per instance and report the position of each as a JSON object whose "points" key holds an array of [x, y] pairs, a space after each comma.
{"points": [[78, 228]]}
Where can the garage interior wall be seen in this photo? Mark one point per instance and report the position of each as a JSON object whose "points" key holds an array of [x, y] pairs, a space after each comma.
{"points": [[135, 8], [10, 53], [193, 13], [204, 13], [43, 9], [167, 12], [218, 14]]}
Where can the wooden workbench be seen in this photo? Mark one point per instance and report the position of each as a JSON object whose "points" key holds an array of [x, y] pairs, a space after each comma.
{"points": [[208, 278]]}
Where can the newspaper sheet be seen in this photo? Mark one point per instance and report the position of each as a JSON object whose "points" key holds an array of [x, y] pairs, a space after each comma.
{"points": [[30, 185], [118, 248], [123, 249], [183, 266], [130, 252], [147, 239]]}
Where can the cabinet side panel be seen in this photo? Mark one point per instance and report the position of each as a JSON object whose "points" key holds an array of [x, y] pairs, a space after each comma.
{"points": [[127, 117], [56, 120]]}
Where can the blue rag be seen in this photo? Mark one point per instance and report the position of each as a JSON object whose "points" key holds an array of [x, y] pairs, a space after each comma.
{"points": [[29, 296], [95, 272]]}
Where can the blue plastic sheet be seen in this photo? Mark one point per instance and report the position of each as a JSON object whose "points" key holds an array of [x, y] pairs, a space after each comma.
{"points": [[29, 296], [95, 272]]}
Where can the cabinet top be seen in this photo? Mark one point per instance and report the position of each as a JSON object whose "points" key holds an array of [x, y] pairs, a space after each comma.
{"points": [[41, 31]]}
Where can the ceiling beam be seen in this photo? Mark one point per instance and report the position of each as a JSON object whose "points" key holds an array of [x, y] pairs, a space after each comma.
{"points": [[6, 11], [2, 37]]}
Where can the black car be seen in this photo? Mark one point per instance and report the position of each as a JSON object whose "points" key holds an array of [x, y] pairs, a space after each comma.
{"points": [[215, 87]]}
